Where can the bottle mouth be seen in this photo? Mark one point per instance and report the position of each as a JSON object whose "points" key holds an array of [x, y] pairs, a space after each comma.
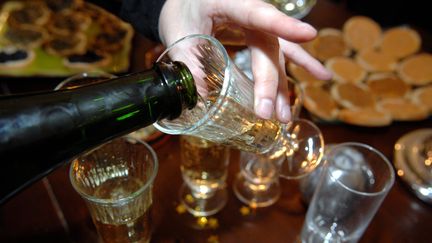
{"points": [[186, 86], [181, 86], [208, 67]]}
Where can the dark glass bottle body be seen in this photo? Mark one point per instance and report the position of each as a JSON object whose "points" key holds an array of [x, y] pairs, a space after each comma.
{"points": [[41, 131]]}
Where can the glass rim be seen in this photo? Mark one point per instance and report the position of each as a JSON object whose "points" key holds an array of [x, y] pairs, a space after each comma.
{"points": [[149, 182], [82, 75], [388, 184], [222, 94]]}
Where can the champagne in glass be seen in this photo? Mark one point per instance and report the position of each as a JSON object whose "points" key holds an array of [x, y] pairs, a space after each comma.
{"points": [[128, 224], [248, 132], [116, 181], [225, 109], [204, 170]]}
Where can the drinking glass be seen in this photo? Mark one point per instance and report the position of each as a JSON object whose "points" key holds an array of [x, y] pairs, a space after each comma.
{"points": [[294, 8], [84, 78], [204, 167], [224, 112], [116, 180], [257, 183], [355, 180]]}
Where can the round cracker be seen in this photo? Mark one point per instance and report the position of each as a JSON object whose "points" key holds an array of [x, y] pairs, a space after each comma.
{"points": [[403, 109], [346, 70], [361, 32], [373, 60], [319, 102], [416, 69], [387, 86], [302, 75], [400, 42], [329, 43], [423, 96], [352, 95], [368, 117]]}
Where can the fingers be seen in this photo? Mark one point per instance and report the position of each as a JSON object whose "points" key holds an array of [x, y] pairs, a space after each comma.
{"points": [[283, 106], [265, 58], [299, 56], [259, 15]]}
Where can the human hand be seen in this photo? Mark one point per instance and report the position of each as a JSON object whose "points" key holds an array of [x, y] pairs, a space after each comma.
{"points": [[270, 35]]}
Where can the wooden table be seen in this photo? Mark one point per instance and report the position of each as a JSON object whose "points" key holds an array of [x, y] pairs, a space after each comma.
{"points": [[51, 211]]}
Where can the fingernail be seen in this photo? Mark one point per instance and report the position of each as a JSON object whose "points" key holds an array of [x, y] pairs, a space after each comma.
{"points": [[264, 108], [285, 114], [306, 27]]}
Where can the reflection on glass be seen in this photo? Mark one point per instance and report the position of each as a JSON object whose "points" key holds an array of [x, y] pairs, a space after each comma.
{"points": [[204, 170], [294, 8]]}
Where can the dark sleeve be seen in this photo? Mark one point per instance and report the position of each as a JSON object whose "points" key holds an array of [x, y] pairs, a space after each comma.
{"points": [[143, 15]]}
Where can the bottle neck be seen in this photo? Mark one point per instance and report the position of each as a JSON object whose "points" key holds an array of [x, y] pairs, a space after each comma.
{"points": [[41, 131], [180, 81], [123, 104]]}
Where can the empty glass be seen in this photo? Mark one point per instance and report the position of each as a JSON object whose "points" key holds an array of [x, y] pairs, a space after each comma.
{"points": [[354, 182]]}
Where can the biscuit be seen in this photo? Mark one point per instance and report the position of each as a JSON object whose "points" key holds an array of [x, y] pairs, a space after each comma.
{"points": [[373, 60], [423, 96], [400, 42], [403, 109], [361, 32], [351, 95], [368, 117], [346, 70], [329, 43], [302, 75], [387, 85], [319, 102], [416, 69]]}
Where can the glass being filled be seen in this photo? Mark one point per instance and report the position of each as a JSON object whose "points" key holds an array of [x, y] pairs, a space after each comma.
{"points": [[224, 112]]}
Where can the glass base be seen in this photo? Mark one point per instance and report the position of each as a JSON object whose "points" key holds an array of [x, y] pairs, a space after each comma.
{"points": [[203, 206], [256, 195]]}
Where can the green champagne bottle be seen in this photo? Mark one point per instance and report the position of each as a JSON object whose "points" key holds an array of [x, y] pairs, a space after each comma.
{"points": [[41, 131]]}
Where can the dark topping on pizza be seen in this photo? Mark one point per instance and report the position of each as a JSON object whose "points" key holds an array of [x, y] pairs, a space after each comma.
{"points": [[9, 55], [12, 57], [32, 13], [66, 45], [91, 11], [59, 5], [110, 39], [88, 57], [68, 22], [25, 37]]}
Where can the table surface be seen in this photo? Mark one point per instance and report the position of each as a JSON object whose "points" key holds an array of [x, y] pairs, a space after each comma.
{"points": [[51, 211]]}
